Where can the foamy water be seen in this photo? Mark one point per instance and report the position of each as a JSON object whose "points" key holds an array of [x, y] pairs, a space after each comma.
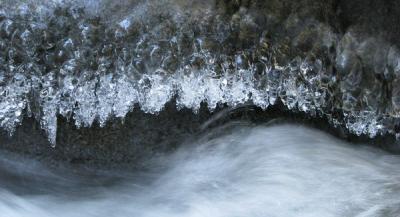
{"points": [[234, 171]]}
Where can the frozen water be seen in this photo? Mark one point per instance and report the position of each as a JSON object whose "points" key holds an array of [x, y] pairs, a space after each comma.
{"points": [[85, 61]]}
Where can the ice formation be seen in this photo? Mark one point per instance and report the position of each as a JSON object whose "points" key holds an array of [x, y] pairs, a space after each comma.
{"points": [[75, 60]]}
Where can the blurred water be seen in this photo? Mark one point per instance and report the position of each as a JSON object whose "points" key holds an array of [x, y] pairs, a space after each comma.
{"points": [[233, 171]]}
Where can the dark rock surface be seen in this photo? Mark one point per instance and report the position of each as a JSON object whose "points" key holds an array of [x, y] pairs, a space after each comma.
{"points": [[142, 136]]}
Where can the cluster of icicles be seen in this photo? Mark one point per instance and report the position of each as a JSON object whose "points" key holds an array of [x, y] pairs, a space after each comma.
{"points": [[62, 61]]}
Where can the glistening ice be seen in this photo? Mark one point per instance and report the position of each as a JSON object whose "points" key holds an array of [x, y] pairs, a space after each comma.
{"points": [[92, 61]]}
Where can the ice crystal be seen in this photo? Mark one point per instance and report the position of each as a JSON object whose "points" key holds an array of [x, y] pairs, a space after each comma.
{"points": [[68, 60]]}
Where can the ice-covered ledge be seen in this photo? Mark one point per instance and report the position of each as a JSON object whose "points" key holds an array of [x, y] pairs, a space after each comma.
{"points": [[86, 62]]}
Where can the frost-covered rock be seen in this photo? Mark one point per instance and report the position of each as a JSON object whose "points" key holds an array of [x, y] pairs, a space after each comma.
{"points": [[90, 61]]}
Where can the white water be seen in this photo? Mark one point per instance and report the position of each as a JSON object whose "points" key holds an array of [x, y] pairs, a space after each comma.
{"points": [[236, 171]]}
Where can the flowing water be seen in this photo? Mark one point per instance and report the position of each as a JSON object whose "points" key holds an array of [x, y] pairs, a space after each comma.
{"points": [[238, 170]]}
